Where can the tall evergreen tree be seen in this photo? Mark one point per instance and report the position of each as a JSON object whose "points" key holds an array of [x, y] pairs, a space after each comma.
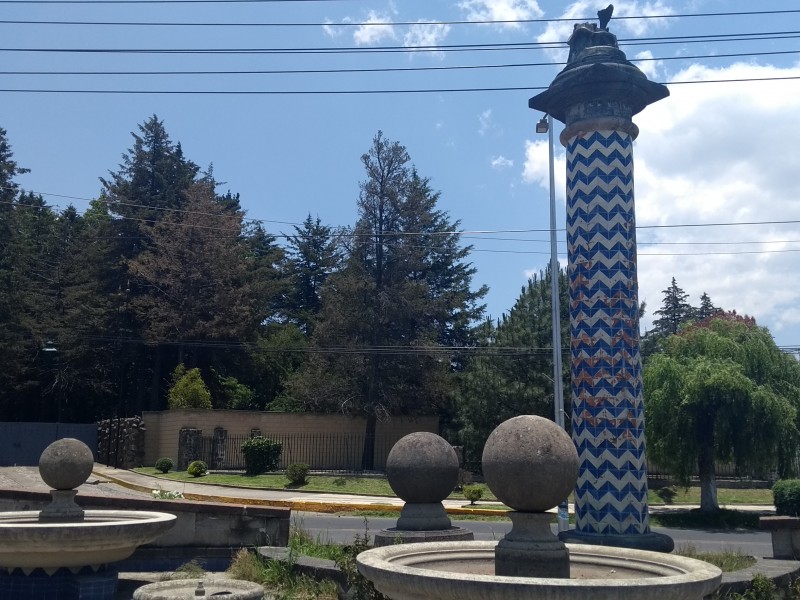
{"points": [[706, 308], [202, 281], [313, 255], [149, 185], [402, 294], [675, 310], [152, 176]]}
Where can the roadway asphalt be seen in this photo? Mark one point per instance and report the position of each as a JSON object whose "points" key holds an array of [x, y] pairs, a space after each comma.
{"points": [[315, 510]]}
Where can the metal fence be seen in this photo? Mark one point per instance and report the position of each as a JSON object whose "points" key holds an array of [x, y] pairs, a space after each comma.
{"points": [[333, 452]]}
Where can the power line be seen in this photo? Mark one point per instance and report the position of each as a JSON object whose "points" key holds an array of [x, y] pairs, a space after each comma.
{"points": [[353, 24], [351, 92], [721, 37], [405, 233], [389, 69]]}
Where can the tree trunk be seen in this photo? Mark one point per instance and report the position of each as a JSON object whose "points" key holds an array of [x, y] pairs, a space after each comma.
{"points": [[708, 482]]}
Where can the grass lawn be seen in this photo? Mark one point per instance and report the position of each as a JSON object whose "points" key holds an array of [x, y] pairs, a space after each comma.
{"points": [[379, 486], [679, 495], [345, 484]]}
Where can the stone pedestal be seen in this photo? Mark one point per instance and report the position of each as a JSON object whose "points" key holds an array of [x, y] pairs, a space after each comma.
{"points": [[531, 549], [63, 508], [422, 469]]}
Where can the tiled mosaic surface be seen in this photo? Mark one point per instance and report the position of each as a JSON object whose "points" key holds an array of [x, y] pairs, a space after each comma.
{"points": [[605, 366], [61, 585]]}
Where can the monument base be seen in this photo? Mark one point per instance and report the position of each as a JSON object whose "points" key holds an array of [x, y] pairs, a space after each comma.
{"points": [[391, 536], [655, 542]]}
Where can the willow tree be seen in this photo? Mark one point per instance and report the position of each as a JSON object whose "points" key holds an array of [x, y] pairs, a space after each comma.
{"points": [[721, 391]]}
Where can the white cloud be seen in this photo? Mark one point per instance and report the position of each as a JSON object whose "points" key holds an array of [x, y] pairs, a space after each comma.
{"points": [[501, 162], [716, 153], [485, 120], [423, 33], [331, 30], [648, 66], [501, 10], [369, 34], [536, 168]]}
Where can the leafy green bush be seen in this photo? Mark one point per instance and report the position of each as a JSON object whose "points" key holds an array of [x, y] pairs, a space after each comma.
{"points": [[261, 455], [473, 493], [761, 588], [297, 473], [786, 495], [197, 468], [164, 464], [188, 389]]}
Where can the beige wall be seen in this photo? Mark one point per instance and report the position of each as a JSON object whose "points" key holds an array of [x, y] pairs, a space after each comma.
{"points": [[161, 437]]}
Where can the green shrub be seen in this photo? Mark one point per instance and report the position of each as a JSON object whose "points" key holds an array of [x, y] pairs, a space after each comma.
{"points": [[261, 455], [164, 465], [297, 473], [197, 468], [188, 389], [786, 496], [761, 588], [473, 493]]}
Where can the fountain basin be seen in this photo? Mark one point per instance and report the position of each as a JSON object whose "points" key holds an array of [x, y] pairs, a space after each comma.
{"points": [[465, 571], [184, 589], [104, 536]]}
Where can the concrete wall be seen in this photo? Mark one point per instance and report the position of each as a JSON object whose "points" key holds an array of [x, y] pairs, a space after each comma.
{"points": [[21, 444], [199, 524], [163, 427]]}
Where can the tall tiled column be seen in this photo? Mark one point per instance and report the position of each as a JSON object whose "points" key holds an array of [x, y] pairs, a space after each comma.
{"points": [[595, 96]]}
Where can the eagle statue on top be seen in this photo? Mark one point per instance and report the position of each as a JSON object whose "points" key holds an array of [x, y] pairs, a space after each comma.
{"points": [[605, 16]]}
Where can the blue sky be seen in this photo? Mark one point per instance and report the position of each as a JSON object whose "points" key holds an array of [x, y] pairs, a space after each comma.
{"points": [[710, 153]]}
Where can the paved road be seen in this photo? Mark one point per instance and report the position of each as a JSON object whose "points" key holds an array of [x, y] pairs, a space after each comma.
{"points": [[343, 529]]}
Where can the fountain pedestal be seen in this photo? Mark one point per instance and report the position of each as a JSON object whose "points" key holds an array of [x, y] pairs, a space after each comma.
{"points": [[531, 537]]}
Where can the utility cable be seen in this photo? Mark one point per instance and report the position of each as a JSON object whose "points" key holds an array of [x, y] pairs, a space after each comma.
{"points": [[354, 24], [722, 37], [390, 69]]}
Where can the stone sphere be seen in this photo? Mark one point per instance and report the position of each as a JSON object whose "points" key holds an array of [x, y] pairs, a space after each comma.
{"points": [[422, 467], [530, 463], [66, 464]]}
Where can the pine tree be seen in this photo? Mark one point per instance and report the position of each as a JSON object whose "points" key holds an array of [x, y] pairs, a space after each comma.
{"points": [[706, 308], [313, 255], [674, 311], [402, 294]]}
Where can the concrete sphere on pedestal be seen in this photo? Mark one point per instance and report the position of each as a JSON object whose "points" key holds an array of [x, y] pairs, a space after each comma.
{"points": [[66, 464], [422, 468], [530, 463]]}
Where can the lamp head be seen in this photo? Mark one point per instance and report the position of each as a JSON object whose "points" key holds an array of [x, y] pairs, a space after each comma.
{"points": [[542, 126]]}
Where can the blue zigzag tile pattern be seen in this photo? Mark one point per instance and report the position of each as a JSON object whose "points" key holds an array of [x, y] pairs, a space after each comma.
{"points": [[605, 366]]}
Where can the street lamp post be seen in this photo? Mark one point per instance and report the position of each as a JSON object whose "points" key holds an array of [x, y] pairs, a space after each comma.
{"points": [[545, 125], [51, 352]]}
